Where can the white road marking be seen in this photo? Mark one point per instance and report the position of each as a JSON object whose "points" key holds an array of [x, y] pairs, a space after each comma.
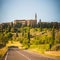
{"points": [[6, 56], [23, 55]]}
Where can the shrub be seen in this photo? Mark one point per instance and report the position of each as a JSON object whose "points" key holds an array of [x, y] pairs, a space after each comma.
{"points": [[56, 47]]}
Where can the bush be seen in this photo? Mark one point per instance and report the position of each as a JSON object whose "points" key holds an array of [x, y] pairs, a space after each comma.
{"points": [[56, 47]]}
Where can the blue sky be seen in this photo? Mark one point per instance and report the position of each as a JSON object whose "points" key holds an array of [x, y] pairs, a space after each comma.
{"points": [[47, 10]]}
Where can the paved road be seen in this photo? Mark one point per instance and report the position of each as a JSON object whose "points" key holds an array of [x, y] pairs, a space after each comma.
{"points": [[16, 54]]}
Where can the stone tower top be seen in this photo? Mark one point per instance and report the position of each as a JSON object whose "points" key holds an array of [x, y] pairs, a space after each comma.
{"points": [[35, 16]]}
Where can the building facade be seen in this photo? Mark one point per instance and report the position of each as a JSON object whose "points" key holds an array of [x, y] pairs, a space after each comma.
{"points": [[31, 22]]}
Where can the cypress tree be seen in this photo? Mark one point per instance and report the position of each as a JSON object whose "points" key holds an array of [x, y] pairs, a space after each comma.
{"points": [[40, 25], [29, 37], [53, 35]]}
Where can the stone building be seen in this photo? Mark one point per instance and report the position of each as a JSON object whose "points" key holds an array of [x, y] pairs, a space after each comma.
{"points": [[23, 22], [31, 22]]}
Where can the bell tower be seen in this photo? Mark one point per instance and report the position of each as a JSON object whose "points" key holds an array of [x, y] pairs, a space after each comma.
{"points": [[35, 16]]}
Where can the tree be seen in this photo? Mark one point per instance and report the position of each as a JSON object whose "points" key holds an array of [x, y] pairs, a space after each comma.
{"points": [[12, 29], [9, 28], [29, 37], [53, 38], [3, 40], [8, 36], [57, 37], [18, 25], [53, 35], [40, 25], [16, 34]]}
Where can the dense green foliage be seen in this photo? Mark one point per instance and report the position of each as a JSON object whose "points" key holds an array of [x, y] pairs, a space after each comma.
{"points": [[4, 38], [27, 35], [43, 37]]}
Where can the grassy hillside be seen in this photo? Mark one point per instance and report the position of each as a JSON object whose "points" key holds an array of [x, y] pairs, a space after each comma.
{"points": [[30, 38]]}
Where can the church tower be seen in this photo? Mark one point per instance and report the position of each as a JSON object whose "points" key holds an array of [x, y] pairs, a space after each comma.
{"points": [[35, 16]]}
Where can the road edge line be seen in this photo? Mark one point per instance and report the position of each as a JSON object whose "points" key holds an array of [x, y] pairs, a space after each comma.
{"points": [[6, 56], [23, 55]]}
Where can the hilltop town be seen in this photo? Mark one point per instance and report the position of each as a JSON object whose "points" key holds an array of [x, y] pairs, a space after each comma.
{"points": [[39, 37], [32, 23]]}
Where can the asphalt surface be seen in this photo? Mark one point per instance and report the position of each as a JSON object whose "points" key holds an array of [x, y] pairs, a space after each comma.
{"points": [[17, 54]]}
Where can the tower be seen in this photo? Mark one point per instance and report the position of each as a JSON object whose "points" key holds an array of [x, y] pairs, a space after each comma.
{"points": [[40, 21], [35, 16]]}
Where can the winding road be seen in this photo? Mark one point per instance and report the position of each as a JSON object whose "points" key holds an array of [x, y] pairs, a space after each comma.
{"points": [[17, 54]]}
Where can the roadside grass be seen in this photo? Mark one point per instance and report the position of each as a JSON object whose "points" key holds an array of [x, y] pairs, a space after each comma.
{"points": [[53, 53], [2, 52], [39, 48], [43, 49]]}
